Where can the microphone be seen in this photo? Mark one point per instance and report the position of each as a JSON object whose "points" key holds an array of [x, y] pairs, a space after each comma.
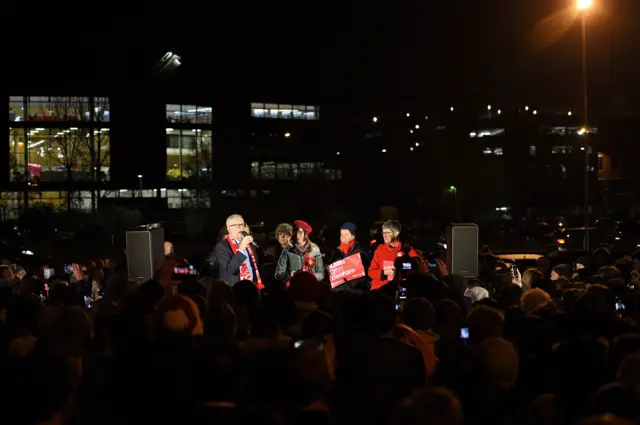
{"points": [[245, 234]]}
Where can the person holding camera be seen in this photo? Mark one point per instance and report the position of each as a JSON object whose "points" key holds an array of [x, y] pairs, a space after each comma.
{"points": [[236, 254], [383, 268]]}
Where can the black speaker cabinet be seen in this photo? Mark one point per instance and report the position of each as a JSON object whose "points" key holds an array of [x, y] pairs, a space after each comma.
{"points": [[462, 249], [145, 253]]}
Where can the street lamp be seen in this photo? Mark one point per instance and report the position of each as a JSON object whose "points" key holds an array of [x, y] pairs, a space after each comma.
{"points": [[583, 6]]}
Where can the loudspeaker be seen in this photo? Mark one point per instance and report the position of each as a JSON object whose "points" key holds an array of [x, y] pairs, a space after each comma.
{"points": [[462, 249], [145, 253]]}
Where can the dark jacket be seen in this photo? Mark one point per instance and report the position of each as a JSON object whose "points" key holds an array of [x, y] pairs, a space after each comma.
{"points": [[356, 285], [229, 264]]}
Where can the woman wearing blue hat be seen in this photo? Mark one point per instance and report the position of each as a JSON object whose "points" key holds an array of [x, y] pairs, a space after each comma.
{"points": [[348, 247]]}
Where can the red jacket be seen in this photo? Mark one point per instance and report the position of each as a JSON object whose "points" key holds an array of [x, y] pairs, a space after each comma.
{"points": [[385, 252]]}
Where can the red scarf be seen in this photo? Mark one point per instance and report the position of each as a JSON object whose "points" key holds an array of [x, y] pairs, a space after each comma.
{"points": [[244, 269], [396, 250], [346, 248]]}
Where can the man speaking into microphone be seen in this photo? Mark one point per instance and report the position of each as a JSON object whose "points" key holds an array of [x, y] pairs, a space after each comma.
{"points": [[236, 254]]}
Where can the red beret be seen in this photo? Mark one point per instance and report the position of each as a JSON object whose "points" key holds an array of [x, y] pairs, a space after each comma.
{"points": [[299, 224]]}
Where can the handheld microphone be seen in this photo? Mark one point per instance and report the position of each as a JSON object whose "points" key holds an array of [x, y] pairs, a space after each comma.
{"points": [[245, 234]]}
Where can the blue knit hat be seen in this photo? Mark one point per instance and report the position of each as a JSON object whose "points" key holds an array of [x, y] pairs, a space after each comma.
{"points": [[350, 227]]}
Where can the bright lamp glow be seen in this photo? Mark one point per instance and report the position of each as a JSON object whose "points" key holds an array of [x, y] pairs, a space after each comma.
{"points": [[27, 252], [584, 4], [375, 119]]}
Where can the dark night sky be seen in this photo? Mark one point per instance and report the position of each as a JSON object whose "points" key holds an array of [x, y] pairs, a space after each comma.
{"points": [[422, 53]]}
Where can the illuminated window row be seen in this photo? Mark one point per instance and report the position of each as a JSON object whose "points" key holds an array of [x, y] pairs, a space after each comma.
{"points": [[189, 114], [189, 154], [489, 132], [280, 111], [58, 108], [59, 154], [567, 131], [293, 171], [492, 151]]}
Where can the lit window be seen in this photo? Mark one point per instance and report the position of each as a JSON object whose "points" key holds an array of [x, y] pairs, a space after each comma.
{"points": [[293, 171], [189, 154], [487, 132], [101, 109], [16, 108], [57, 154], [561, 150], [58, 108], [284, 111], [188, 114], [498, 151], [487, 151]]}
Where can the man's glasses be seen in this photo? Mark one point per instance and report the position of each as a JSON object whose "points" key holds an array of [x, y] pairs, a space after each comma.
{"points": [[387, 233]]}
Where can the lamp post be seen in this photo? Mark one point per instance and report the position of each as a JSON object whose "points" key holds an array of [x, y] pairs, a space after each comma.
{"points": [[583, 7], [140, 181]]}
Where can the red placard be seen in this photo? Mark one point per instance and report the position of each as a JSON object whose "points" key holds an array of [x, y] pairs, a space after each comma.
{"points": [[345, 270]]}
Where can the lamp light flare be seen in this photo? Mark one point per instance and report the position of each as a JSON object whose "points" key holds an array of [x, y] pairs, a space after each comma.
{"points": [[584, 4]]}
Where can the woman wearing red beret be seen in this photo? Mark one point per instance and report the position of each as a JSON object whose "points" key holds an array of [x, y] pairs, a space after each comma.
{"points": [[304, 255]]}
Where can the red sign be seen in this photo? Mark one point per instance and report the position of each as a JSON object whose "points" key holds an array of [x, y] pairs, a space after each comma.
{"points": [[344, 270]]}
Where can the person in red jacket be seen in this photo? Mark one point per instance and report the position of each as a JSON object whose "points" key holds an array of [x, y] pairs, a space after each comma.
{"points": [[381, 270]]}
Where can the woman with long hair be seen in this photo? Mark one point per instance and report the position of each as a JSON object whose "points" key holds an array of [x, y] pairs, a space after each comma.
{"points": [[303, 255]]}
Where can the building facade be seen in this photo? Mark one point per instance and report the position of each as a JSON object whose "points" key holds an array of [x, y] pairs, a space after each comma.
{"points": [[177, 151]]}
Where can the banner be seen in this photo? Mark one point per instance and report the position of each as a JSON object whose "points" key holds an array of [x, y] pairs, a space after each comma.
{"points": [[344, 270]]}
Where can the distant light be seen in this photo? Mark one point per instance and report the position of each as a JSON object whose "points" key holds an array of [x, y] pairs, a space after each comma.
{"points": [[426, 118], [582, 148], [410, 131], [417, 144], [417, 125], [452, 109], [287, 134], [526, 108], [584, 4], [561, 241], [408, 114], [488, 107], [499, 111], [560, 224], [375, 119], [617, 238], [27, 252], [139, 176], [384, 151], [337, 153], [411, 149], [582, 131], [535, 112], [569, 113], [452, 188], [472, 134]]}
